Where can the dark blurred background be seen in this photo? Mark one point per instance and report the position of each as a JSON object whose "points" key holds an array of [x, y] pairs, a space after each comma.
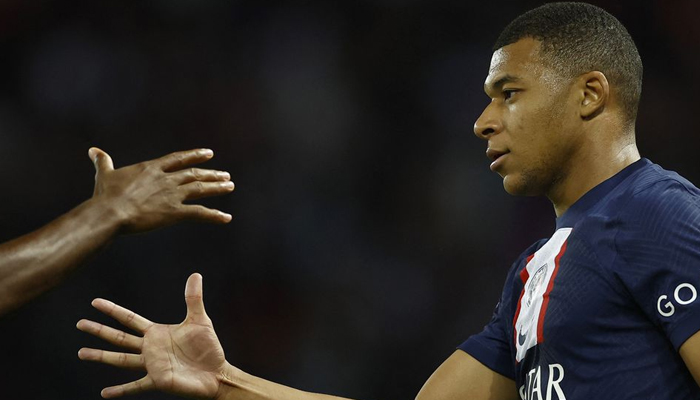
{"points": [[369, 236]]}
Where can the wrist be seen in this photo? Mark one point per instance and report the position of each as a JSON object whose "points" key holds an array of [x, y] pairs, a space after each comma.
{"points": [[228, 377], [105, 214], [236, 384]]}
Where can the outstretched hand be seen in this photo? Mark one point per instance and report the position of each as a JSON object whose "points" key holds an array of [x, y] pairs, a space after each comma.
{"points": [[150, 194], [184, 359]]}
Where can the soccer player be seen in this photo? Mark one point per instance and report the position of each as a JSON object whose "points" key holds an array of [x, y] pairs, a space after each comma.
{"points": [[131, 199], [606, 308]]}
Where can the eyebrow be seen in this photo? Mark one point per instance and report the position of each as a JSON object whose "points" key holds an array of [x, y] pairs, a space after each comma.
{"points": [[500, 82]]}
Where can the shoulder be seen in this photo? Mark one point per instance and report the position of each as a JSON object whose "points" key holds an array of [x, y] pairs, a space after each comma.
{"points": [[644, 193], [654, 180], [660, 198], [661, 218], [649, 196], [651, 207]]}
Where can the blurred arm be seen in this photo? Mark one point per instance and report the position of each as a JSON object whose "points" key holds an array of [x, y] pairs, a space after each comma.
{"points": [[187, 360], [238, 385], [136, 198], [460, 377]]}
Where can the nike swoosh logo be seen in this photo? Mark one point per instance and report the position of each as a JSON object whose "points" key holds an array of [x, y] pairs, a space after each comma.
{"points": [[521, 338]]}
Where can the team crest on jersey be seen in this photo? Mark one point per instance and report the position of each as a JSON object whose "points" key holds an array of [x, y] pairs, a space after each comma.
{"points": [[538, 281], [534, 284]]}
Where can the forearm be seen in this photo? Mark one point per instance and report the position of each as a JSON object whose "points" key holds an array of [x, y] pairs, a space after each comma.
{"points": [[35, 262], [239, 385]]}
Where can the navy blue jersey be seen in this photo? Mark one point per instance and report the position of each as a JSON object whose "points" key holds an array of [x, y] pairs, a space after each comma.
{"points": [[600, 309]]}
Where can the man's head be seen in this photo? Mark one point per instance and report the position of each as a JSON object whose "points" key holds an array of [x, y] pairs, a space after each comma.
{"points": [[577, 38], [565, 78]]}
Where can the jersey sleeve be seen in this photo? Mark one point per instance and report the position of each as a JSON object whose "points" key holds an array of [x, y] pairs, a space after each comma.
{"points": [[492, 346], [658, 257]]}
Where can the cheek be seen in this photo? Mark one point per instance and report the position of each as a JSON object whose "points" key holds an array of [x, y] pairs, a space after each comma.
{"points": [[544, 131], [537, 148], [531, 135], [528, 118]]}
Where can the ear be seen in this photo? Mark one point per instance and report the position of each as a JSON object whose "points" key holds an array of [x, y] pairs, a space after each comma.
{"points": [[596, 94]]}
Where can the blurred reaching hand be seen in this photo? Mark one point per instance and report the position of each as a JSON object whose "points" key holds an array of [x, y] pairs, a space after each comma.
{"points": [[151, 194], [135, 198]]}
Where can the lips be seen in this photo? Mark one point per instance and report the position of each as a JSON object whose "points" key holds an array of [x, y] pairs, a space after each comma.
{"points": [[494, 154], [496, 157]]}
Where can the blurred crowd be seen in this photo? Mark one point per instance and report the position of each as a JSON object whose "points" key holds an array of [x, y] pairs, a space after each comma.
{"points": [[369, 237]]}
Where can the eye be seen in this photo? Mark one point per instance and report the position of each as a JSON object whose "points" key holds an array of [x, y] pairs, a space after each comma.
{"points": [[508, 93]]}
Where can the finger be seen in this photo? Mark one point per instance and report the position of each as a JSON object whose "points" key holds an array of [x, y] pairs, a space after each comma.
{"points": [[182, 159], [126, 317], [194, 297], [121, 360], [196, 212], [103, 162], [144, 384], [198, 174], [197, 190], [111, 335]]}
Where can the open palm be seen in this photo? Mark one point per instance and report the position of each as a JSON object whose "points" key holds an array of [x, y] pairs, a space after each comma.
{"points": [[184, 359]]}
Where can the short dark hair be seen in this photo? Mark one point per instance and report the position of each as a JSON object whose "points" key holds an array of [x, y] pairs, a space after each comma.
{"points": [[577, 38]]}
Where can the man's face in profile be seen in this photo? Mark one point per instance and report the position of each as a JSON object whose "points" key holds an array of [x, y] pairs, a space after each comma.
{"points": [[528, 120]]}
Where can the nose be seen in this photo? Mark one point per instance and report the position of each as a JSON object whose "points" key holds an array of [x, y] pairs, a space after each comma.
{"points": [[487, 124]]}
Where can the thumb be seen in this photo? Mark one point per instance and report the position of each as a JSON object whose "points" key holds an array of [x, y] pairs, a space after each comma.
{"points": [[103, 162], [194, 299]]}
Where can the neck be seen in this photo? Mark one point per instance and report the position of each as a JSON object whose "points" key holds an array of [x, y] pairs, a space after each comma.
{"points": [[587, 171]]}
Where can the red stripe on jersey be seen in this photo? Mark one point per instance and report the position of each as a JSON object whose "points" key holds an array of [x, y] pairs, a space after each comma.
{"points": [[524, 275], [545, 296], [530, 257]]}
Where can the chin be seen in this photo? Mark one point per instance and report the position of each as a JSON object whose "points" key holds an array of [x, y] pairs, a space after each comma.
{"points": [[518, 186]]}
